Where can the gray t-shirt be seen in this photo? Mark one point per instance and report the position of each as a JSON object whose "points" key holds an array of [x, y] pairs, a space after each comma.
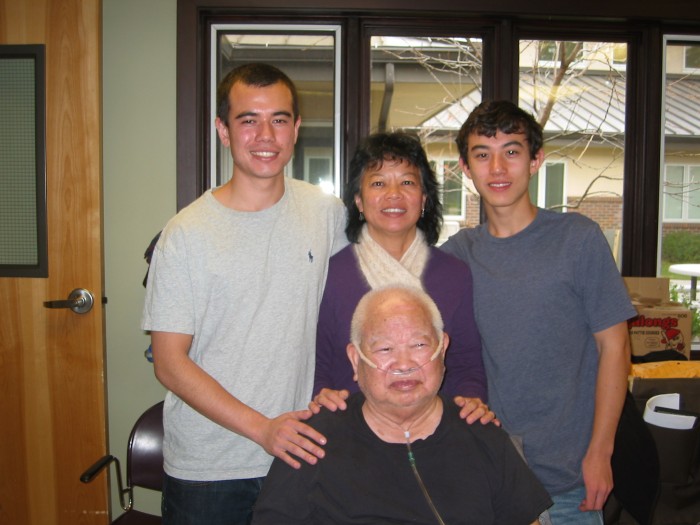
{"points": [[539, 296], [247, 286]]}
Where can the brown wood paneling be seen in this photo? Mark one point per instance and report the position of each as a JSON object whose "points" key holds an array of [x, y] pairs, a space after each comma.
{"points": [[52, 392]]}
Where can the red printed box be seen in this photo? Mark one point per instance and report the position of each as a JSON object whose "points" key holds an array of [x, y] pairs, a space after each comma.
{"points": [[661, 324]]}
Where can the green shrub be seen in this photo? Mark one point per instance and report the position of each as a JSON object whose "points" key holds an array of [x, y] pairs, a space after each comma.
{"points": [[676, 296], [681, 247]]}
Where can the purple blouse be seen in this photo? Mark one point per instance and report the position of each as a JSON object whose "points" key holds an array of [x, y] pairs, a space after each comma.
{"points": [[446, 279]]}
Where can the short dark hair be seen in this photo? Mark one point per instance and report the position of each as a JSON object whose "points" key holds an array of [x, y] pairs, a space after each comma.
{"points": [[254, 74], [490, 117], [372, 152]]}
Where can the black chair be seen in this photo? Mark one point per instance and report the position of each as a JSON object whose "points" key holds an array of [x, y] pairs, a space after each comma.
{"points": [[678, 497], [679, 453], [144, 466]]}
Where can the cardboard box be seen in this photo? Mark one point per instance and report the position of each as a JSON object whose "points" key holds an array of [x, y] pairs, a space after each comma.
{"points": [[661, 324]]}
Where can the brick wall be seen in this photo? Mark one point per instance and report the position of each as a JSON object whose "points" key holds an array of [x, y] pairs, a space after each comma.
{"points": [[606, 211], [681, 227]]}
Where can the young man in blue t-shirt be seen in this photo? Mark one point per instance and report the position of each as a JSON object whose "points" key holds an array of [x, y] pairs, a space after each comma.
{"points": [[551, 308]]}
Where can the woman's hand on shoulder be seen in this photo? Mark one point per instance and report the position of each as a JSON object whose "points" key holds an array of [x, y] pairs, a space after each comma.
{"points": [[474, 409], [330, 399]]}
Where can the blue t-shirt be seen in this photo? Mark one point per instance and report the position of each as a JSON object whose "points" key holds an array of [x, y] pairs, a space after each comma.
{"points": [[539, 296]]}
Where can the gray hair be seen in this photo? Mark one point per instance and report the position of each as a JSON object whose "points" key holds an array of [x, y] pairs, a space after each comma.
{"points": [[415, 295]]}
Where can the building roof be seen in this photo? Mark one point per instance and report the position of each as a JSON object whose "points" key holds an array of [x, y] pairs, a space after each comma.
{"points": [[683, 107], [588, 103]]}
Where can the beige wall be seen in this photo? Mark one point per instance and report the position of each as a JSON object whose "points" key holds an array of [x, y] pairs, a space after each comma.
{"points": [[139, 40]]}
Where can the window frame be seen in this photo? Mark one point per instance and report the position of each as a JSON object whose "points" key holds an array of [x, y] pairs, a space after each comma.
{"points": [[687, 176], [301, 29], [440, 174], [543, 176], [505, 23], [34, 173], [686, 67]]}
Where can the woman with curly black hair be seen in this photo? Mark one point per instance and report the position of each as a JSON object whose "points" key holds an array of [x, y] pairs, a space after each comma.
{"points": [[394, 221]]}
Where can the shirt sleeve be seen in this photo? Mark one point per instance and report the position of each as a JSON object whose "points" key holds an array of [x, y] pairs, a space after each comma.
{"points": [[464, 364], [522, 497], [169, 303], [340, 240], [454, 246], [284, 499], [323, 375], [600, 285]]}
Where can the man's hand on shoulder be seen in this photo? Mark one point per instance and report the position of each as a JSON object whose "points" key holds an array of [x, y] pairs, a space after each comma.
{"points": [[472, 409], [286, 436], [330, 399]]}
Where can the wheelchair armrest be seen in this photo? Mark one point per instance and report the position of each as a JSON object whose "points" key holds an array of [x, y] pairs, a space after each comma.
{"points": [[92, 471]]}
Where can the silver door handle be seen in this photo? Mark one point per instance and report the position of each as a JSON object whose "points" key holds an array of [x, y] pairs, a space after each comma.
{"points": [[80, 301]]}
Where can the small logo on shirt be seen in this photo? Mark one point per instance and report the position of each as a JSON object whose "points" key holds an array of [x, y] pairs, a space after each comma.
{"points": [[311, 256]]}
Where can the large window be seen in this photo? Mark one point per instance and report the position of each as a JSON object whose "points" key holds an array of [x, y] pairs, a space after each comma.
{"points": [[681, 193], [427, 85], [595, 84], [680, 163], [421, 83], [309, 56], [577, 91], [547, 187], [692, 58], [452, 192]]}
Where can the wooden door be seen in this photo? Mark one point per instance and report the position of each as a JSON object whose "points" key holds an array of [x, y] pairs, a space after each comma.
{"points": [[52, 391]]}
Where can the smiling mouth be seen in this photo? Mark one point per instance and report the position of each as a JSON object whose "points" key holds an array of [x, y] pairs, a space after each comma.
{"points": [[393, 210], [263, 154], [499, 185]]}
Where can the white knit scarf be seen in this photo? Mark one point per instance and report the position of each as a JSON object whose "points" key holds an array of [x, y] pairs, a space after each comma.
{"points": [[381, 269]]}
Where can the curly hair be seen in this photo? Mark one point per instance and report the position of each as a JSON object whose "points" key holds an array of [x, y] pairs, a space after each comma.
{"points": [[490, 117], [372, 152]]}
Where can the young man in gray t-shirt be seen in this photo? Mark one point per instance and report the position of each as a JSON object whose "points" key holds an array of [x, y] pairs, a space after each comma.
{"points": [[232, 303]]}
